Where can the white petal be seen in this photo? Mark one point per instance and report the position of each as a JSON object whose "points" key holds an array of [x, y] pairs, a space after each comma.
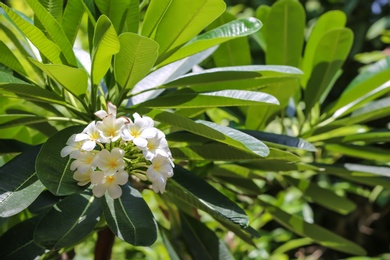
{"points": [[149, 133], [140, 142], [99, 190], [114, 191], [111, 109], [84, 168], [81, 137], [66, 151], [89, 145], [97, 177], [121, 177], [101, 114]]}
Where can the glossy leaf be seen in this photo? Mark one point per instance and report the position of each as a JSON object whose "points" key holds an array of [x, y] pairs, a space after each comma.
{"points": [[368, 85], [262, 13], [70, 23], [54, 30], [18, 243], [203, 242], [48, 48], [232, 30], [78, 215], [327, 22], [284, 33], [223, 98], [54, 7], [130, 218], [135, 59], [321, 196], [155, 12], [74, 80], [105, 45], [331, 53], [190, 189], [52, 169], [9, 59], [317, 233], [235, 52], [30, 92], [19, 184], [183, 20], [116, 11]]}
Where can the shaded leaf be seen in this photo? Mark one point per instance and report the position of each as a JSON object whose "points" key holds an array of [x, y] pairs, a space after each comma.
{"points": [[70, 23], [9, 59], [155, 12]]}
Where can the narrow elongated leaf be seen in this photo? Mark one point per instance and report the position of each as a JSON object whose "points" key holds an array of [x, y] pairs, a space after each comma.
{"points": [[224, 98], [327, 22], [232, 30], [52, 169], [54, 8], [364, 152], [19, 184], [116, 11], [203, 243], [48, 48], [369, 137], [235, 52], [194, 191], [284, 33], [317, 233], [135, 59], [168, 243], [18, 242], [130, 218], [71, 19], [262, 13], [132, 17], [30, 92], [78, 215], [322, 196], [105, 45], [183, 20], [54, 30], [331, 53], [368, 85], [9, 59], [155, 12], [74, 80]]}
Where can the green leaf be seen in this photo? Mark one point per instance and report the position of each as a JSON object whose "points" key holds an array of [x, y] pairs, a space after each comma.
{"points": [[135, 59], [321, 196], [31, 92], [194, 191], [202, 242], [19, 184], [284, 33], [130, 218], [292, 244], [327, 22], [368, 85], [364, 152], [78, 215], [54, 30], [262, 13], [317, 233], [223, 98], [132, 17], [330, 55], [18, 243], [9, 59], [75, 80], [105, 45], [245, 141], [373, 136], [48, 48], [235, 52], [232, 30], [54, 7], [155, 12], [182, 21], [168, 243], [70, 23], [52, 169]]}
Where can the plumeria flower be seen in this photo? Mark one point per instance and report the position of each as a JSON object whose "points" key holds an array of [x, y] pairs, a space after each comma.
{"points": [[82, 178], [160, 170], [139, 131], [84, 161], [156, 145], [90, 136], [110, 162], [110, 127], [108, 182], [111, 110], [72, 146]]}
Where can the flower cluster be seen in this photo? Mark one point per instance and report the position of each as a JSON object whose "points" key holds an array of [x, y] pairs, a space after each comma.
{"points": [[108, 150]]}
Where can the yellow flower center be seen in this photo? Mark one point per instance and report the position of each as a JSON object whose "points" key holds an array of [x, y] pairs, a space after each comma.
{"points": [[110, 179]]}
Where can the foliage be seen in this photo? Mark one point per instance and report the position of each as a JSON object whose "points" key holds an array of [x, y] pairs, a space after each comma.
{"points": [[261, 155]]}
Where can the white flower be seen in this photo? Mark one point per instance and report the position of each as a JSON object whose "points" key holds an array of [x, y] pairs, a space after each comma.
{"points": [[156, 145], [72, 146], [82, 178], [84, 161], [160, 170], [110, 182], [139, 131], [110, 127], [90, 136], [111, 110], [110, 162]]}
